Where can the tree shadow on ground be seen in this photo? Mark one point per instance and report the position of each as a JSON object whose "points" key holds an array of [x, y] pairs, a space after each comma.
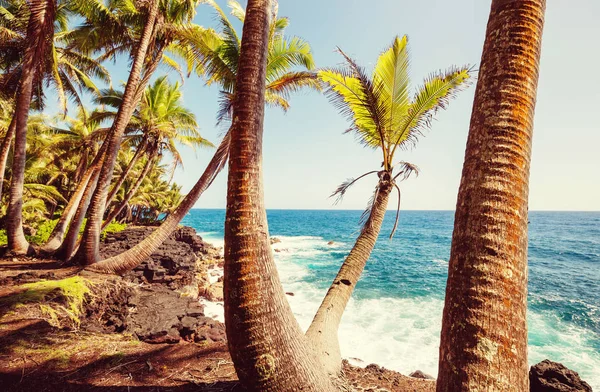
{"points": [[36, 357]]}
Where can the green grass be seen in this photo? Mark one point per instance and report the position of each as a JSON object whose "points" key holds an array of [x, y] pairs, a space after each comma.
{"points": [[71, 293], [113, 227]]}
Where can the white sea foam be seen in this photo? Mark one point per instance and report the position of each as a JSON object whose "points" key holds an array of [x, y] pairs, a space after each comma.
{"points": [[213, 310], [402, 334]]}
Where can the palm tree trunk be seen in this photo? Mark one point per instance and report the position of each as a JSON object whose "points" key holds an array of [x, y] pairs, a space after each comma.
{"points": [[56, 238], [69, 246], [88, 251], [323, 331], [484, 328], [133, 257], [5, 149], [267, 346], [39, 30], [149, 163], [125, 174]]}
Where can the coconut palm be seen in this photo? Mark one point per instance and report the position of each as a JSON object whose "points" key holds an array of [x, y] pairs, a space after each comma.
{"points": [[162, 123], [289, 64], [79, 142], [50, 63], [484, 328], [157, 124], [172, 17], [39, 33], [267, 346], [383, 117]]}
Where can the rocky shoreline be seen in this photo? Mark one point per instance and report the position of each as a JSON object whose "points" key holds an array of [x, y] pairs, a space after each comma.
{"points": [[173, 301], [184, 278]]}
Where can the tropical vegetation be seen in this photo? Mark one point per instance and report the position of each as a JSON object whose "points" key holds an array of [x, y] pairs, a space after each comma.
{"points": [[106, 156]]}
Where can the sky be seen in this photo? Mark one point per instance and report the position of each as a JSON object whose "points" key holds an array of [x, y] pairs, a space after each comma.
{"points": [[306, 154]]}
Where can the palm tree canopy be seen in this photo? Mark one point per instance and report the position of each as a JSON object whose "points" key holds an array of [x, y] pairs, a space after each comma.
{"points": [[160, 118], [380, 109], [290, 62]]}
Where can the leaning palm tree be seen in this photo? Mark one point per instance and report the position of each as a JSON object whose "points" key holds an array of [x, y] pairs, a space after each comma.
{"points": [[383, 117], [290, 66], [484, 327]]}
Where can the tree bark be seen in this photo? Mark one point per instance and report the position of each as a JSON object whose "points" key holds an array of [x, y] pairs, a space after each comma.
{"points": [[58, 234], [267, 346], [484, 329], [69, 245], [88, 251], [323, 331], [39, 32], [133, 257], [5, 149], [131, 193]]}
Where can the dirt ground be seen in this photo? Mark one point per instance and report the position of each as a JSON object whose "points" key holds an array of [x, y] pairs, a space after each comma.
{"points": [[36, 356]]}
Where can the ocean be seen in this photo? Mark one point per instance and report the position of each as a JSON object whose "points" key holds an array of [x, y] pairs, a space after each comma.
{"points": [[394, 317]]}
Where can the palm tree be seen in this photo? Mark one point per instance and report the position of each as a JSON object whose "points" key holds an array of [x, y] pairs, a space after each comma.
{"points": [[79, 141], [267, 346], [67, 71], [159, 122], [290, 66], [91, 236], [383, 117], [162, 122], [290, 62], [484, 328], [39, 33], [173, 18]]}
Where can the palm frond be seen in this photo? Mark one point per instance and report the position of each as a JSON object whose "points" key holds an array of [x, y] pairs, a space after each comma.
{"points": [[341, 190], [435, 94]]}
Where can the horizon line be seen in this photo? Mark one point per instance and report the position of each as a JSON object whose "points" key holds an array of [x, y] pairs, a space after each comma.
{"points": [[357, 209]]}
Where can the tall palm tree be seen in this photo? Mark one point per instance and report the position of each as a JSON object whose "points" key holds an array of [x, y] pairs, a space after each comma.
{"points": [[484, 329], [67, 71], [291, 68], [91, 236], [383, 117], [267, 346], [162, 123], [39, 33], [173, 17]]}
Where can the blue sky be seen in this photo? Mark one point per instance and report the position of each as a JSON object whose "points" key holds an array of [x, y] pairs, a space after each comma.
{"points": [[306, 155]]}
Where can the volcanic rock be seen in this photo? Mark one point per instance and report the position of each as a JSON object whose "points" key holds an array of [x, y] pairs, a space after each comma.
{"points": [[548, 376]]}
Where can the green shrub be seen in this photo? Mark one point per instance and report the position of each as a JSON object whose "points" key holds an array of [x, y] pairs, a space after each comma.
{"points": [[3, 238], [43, 232]]}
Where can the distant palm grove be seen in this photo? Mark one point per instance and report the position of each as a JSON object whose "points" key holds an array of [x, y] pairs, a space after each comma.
{"points": [[83, 154]]}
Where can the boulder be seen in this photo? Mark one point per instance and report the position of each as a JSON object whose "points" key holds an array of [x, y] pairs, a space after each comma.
{"points": [[174, 262], [331, 243], [420, 374], [212, 292], [275, 240], [548, 376]]}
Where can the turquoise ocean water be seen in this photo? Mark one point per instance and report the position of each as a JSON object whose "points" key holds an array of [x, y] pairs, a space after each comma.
{"points": [[395, 315]]}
